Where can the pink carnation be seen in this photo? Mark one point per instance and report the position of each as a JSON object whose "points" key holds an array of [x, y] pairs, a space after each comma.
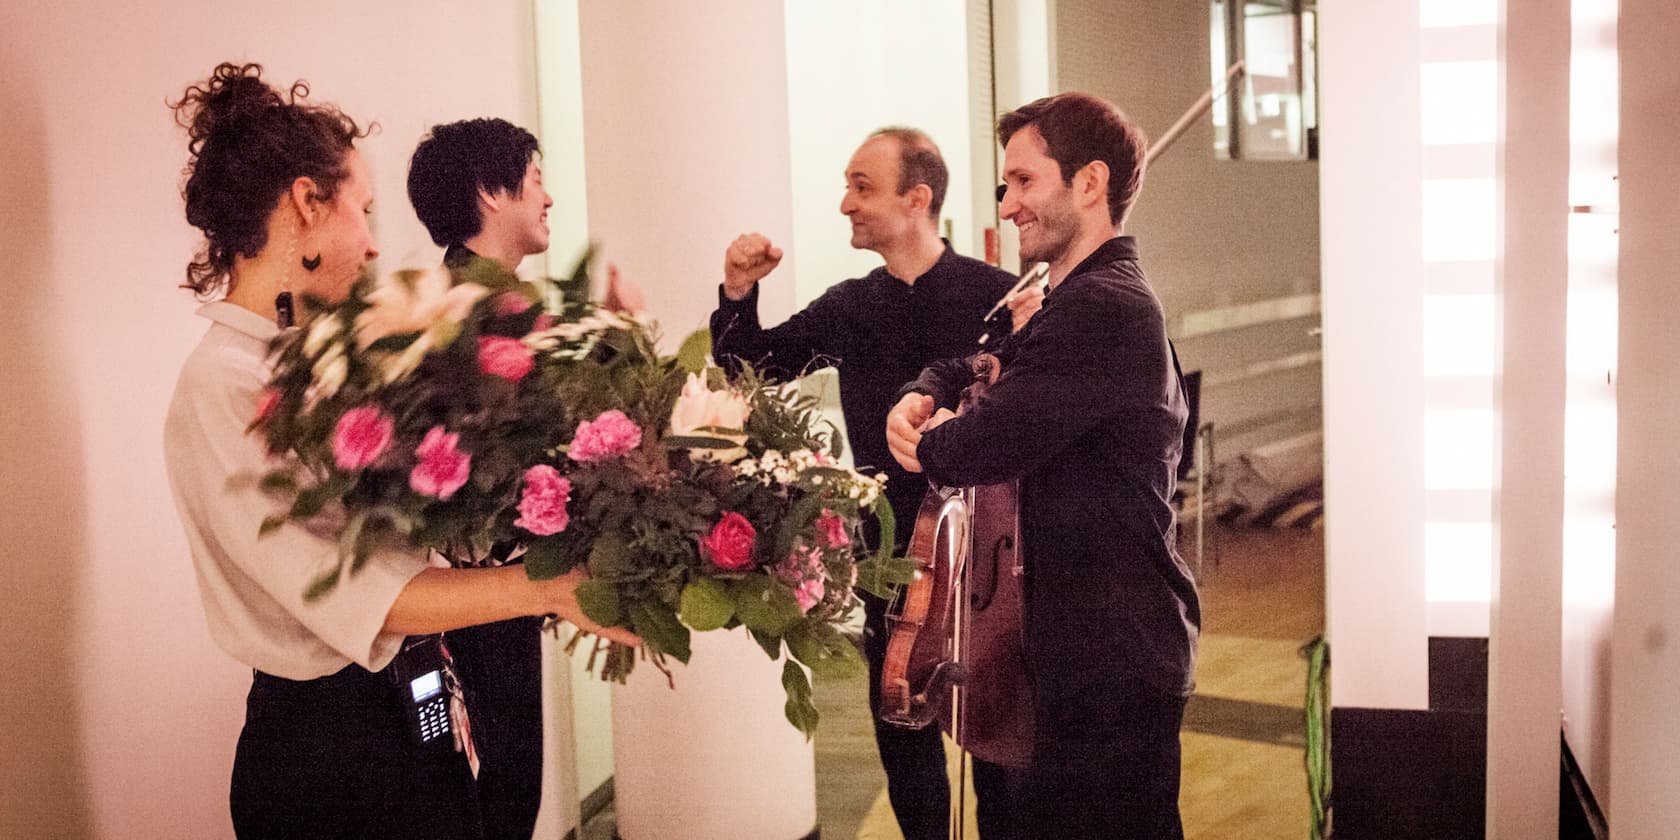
{"points": [[730, 544], [506, 357], [833, 529], [443, 469], [511, 303], [361, 436], [608, 435], [803, 570], [542, 506]]}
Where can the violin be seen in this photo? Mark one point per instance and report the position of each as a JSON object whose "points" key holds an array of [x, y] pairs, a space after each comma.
{"points": [[956, 652]]}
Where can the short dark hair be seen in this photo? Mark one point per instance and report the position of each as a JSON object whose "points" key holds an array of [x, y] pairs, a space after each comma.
{"points": [[246, 144], [456, 160], [1079, 128], [919, 162]]}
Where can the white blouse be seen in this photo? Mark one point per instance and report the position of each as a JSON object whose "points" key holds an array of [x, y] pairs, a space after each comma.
{"points": [[252, 587]]}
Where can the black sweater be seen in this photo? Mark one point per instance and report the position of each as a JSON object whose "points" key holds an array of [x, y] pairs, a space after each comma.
{"points": [[880, 332], [1089, 413]]}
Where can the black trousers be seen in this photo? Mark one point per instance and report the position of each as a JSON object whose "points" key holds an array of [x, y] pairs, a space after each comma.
{"points": [[332, 758], [500, 666], [1117, 778], [914, 760]]}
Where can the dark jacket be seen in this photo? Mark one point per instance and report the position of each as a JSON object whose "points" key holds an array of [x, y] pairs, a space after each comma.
{"points": [[1089, 414], [880, 332]]}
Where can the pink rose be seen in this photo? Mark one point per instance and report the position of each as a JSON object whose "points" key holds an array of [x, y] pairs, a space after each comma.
{"points": [[803, 570], [608, 435], [361, 436], [543, 322], [506, 357], [833, 529], [443, 468], [730, 544], [542, 506], [266, 403], [511, 303]]}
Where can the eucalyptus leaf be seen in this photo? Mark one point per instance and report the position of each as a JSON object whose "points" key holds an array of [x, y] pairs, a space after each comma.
{"points": [[546, 558], [323, 584], [801, 712], [884, 516], [763, 606], [278, 481], [706, 605], [772, 645], [694, 351], [825, 652], [660, 629], [599, 600], [698, 442]]}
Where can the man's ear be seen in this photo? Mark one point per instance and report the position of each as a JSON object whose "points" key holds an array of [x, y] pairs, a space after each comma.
{"points": [[302, 196], [920, 198], [489, 201], [1092, 184]]}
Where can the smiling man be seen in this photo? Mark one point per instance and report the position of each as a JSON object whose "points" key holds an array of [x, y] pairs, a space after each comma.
{"points": [[477, 187], [926, 303], [1089, 414]]}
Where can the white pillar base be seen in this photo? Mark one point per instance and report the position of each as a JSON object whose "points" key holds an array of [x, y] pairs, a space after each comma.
{"points": [[715, 758]]}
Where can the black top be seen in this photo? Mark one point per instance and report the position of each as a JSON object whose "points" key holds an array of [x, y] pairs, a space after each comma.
{"points": [[1089, 413], [880, 332]]}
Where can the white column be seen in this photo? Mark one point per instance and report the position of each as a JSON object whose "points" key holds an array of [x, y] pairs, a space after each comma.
{"points": [[1370, 201], [1645, 641], [1532, 279], [685, 116]]}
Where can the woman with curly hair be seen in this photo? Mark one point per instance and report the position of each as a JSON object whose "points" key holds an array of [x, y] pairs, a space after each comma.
{"points": [[329, 747]]}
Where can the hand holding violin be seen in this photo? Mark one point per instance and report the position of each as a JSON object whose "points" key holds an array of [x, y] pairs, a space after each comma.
{"points": [[907, 422]]}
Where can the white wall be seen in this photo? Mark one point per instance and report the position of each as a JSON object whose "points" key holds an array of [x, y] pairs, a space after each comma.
{"points": [[122, 715], [1645, 659], [1371, 241], [853, 68]]}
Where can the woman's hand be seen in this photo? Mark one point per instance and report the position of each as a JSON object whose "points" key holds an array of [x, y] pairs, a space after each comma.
{"points": [[561, 595]]}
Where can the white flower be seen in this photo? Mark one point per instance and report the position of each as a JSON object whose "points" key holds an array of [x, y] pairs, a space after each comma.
{"points": [[329, 372], [416, 301], [699, 408], [321, 331], [395, 366]]}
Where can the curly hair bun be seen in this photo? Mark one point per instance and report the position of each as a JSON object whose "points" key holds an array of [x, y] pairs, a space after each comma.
{"points": [[247, 142], [234, 94]]}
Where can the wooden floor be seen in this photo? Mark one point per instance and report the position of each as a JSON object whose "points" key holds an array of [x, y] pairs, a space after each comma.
{"points": [[1243, 773]]}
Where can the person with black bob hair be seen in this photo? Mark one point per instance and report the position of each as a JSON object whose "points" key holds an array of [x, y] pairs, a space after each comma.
{"points": [[477, 187], [281, 194]]}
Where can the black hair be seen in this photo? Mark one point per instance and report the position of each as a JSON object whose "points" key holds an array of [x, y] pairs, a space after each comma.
{"points": [[457, 160]]}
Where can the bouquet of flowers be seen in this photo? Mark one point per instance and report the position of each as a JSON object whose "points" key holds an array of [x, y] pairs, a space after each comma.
{"points": [[455, 411]]}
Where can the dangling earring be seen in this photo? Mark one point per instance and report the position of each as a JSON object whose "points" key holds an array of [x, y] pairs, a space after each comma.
{"points": [[285, 315]]}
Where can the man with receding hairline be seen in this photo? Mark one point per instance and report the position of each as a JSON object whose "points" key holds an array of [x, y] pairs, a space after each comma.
{"points": [[1089, 415], [926, 303]]}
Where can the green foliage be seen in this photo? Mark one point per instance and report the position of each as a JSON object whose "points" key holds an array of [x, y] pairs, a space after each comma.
{"points": [[599, 600], [825, 651], [801, 712], [634, 519], [764, 606], [691, 357], [706, 605], [1318, 736]]}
